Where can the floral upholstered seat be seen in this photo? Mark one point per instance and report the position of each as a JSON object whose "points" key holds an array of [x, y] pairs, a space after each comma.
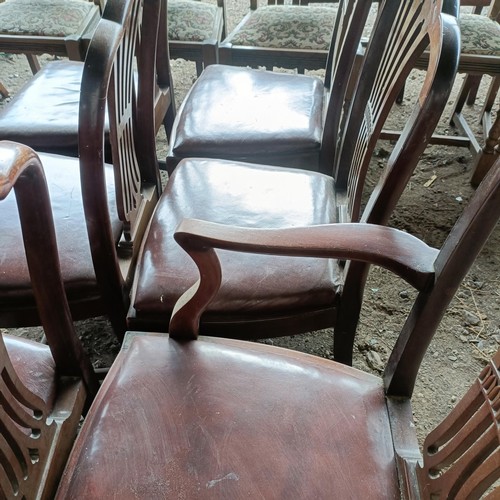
{"points": [[57, 27], [288, 36], [287, 26], [191, 20], [195, 29], [57, 18], [480, 35]]}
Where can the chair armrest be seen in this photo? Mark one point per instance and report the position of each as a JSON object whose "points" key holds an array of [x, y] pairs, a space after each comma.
{"points": [[400, 252], [21, 170]]}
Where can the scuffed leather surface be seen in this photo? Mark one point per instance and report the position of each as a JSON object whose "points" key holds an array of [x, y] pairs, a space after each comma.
{"points": [[44, 113], [228, 419], [34, 366], [63, 179], [243, 195], [237, 113]]}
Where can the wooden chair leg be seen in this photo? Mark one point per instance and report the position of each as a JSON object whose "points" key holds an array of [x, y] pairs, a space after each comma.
{"points": [[490, 152], [33, 62], [476, 81], [3, 91], [467, 85]]}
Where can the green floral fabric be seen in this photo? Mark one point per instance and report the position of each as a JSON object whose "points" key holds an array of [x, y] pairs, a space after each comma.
{"points": [[190, 20], [288, 27], [480, 35], [58, 18]]}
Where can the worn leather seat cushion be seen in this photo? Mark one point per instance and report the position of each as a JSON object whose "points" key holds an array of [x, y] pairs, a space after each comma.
{"points": [[44, 113], [218, 418], [34, 366], [232, 112], [225, 192], [63, 179]]}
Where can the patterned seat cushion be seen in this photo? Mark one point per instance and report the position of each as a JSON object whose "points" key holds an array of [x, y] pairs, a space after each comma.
{"points": [[57, 18], [191, 20], [288, 27], [480, 35]]}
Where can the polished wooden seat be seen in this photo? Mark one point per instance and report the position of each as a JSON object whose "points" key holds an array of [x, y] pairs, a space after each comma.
{"points": [[221, 418], [226, 191], [43, 388], [100, 210], [44, 113]]}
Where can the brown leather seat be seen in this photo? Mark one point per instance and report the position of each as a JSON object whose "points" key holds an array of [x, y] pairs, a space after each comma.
{"points": [[259, 104], [287, 197], [16, 294], [44, 113], [257, 421]]}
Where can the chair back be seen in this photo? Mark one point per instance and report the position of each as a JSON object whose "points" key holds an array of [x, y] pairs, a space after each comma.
{"points": [[461, 455], [344, 48], [127, 34], [402, 31]]}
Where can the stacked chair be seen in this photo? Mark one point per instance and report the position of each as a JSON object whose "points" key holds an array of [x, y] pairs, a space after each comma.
{"points": [[43, 388], [100, 210], [319, 294], [182, 416]]}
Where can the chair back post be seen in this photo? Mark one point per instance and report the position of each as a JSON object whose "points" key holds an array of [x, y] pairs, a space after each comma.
{"points": [[28, 182], [454, 260], [348, 29], [108, 77]]}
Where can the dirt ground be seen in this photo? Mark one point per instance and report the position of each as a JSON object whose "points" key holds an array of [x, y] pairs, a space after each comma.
{"points": [[469, 333]]}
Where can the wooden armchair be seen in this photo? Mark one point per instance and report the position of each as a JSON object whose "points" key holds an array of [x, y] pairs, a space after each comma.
{"points": [[309, 297], [100, 210], [59, 27], [44, 112], [43, 388], [286, 34], [219, 418], [195, 30]]}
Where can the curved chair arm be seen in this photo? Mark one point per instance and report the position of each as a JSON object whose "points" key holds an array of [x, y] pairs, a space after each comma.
{"points": [[21, 170], [403, 254]]}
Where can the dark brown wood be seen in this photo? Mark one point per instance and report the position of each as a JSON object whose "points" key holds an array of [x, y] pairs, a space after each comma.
{"points": [[260, 296], [97, 276], [222, 418]]}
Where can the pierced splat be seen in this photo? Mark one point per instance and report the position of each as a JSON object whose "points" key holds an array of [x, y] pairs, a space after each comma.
{"points": [[462, 455], [26, 436]]}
